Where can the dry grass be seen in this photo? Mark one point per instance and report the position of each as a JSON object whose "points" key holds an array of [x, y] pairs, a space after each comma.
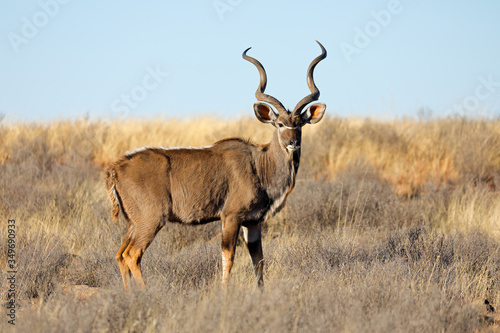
{"points": [[391, 227]]}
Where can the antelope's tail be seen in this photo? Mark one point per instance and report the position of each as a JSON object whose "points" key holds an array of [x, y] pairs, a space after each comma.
{"points": [[112, 193]]}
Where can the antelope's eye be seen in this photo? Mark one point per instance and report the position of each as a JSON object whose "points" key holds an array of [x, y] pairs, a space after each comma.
{"points": [[280, 125]]}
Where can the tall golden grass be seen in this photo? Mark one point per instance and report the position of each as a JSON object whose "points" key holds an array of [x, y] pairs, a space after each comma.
{"points": [[392, 226], [407, 153]]}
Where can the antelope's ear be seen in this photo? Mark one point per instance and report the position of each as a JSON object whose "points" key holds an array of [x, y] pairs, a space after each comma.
{"points": [[313, 114], [264, 113]]}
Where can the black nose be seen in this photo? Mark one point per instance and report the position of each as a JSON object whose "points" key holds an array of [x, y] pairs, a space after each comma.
{"points": [[294, 142]]}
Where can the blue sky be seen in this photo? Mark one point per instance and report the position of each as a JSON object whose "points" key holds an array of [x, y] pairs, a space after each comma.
{"points": [[110, 59]]}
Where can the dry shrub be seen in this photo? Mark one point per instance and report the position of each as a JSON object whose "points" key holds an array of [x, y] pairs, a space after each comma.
{"points": [[409, 280], [411, 155], [195, 266], [356, 197], [476, 145], [175, 237], [39, 258]]}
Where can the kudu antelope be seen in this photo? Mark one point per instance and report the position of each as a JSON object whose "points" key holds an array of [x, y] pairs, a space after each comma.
{"points": [[234, 180]]}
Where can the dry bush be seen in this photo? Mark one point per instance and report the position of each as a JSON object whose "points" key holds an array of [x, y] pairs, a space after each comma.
{"points": [[411, 280], [357, 198], [413, 156]]}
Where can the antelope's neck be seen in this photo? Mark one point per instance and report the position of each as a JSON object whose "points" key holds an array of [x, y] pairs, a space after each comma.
{"points": [[277, 170]]}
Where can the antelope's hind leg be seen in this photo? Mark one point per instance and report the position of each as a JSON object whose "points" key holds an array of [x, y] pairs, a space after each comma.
{"points": [[141, 238], [253, 240], [230, 231], [124, 268]]}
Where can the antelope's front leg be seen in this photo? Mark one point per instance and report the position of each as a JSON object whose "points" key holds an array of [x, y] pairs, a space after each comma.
{"points": [[230, 230], [253, 241]]}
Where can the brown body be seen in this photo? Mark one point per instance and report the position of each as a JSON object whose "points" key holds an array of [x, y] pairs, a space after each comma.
{"points": [[235, 181]]}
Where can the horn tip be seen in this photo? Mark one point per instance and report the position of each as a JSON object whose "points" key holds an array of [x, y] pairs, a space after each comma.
{"points": [[245, 52], [322, 47]]}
